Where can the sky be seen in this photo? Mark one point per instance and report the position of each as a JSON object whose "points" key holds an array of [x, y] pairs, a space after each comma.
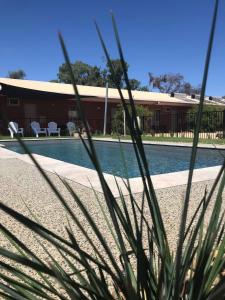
{"points": [[164, 36]]}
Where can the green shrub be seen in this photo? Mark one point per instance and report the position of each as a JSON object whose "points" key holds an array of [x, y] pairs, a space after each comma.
{"points": [[212, 118], [118, 118]]}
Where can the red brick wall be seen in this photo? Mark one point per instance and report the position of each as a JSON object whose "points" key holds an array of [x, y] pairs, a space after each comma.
{"points": [[55, 108]]}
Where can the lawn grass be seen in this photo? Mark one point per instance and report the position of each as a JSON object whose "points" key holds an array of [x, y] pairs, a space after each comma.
{"points": [[127, 137], [166, 139], [7, 137]]}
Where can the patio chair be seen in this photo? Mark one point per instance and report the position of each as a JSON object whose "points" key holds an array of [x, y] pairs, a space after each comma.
{"points": [[37, 129], [71, 127], [53, 128], [14, 129]]}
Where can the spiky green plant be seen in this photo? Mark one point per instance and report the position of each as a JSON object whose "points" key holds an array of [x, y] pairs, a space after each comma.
{"points": [[146, 267]]}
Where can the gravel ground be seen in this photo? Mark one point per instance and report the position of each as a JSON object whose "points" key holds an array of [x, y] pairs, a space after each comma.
{"points": [[21, 183]]}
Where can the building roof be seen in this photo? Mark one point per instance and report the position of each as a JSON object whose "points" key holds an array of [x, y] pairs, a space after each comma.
{"points": [[91, 91]]}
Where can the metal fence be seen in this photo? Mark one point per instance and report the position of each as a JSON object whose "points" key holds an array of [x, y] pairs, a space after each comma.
{"points": [[183, 124], [178, 124], [159, 124]]}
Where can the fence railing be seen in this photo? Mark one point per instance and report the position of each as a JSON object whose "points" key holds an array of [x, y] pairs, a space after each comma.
{"points": [[179, 124], [183, 124], [162, 124]]}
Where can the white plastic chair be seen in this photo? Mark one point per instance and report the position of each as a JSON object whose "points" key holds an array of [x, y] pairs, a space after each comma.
{"points": [[14, 129], [52, 128], [37, 129], [71, 127]]}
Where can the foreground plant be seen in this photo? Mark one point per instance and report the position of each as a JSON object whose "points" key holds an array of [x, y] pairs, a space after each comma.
{"points": [[145, 268]]}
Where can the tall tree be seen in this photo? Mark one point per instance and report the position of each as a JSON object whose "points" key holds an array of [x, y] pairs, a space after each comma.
{"points": [[17, 74], [143, 88], [188, 89], [54, 80], [118, 73], [85, 74], [166, 83], [134, 84], [169, 82]]}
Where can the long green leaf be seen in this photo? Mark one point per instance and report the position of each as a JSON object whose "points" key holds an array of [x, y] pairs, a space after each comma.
{"points": [[193, 157]]}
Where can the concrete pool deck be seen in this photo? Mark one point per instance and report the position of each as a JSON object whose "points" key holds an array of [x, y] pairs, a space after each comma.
{"points": [[89, 178], [23, 187]]}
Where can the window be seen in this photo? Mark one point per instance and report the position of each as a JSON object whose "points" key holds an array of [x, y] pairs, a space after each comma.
{"points": [[156, 118], [157, 115], [13, 101]]}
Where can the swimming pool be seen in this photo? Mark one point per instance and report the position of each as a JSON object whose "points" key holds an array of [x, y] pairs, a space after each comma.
{"points": [[161, 159]]}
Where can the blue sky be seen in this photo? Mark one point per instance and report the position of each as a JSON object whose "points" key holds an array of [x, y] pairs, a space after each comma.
{"points": [[157, 36]]}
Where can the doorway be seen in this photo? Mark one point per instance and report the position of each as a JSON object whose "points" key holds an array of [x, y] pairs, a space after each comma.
{"points": [[30, 114]]}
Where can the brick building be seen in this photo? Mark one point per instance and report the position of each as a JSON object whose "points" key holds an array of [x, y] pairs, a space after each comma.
{"points": [[24, 101]]}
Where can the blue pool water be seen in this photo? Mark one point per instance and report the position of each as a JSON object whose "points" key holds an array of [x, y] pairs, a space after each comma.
{"points": [[161, 159]]}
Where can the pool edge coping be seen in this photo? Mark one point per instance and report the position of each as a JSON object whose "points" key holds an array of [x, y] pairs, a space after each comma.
{"points": [[102, 139], [89, 178], [161, 143]]}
